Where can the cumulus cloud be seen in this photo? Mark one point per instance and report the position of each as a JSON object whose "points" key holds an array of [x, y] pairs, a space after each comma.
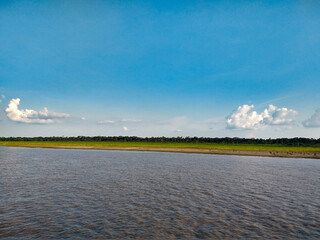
{"points": [[313, 121], [125, 128], [32, 116], [244, 118]]}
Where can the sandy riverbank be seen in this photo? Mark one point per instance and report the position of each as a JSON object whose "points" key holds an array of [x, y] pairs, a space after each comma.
{"points": [[287, 154]]}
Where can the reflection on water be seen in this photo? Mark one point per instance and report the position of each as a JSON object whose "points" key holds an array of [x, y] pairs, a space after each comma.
{"points": [[51, 193]]}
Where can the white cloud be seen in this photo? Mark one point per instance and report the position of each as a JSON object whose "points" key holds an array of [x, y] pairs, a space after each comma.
{"points": [[83, 118], [32, 116], [183, 124], [313, 121], [131, 120], [176, 124], [120, 122], [0, 100], [244, 118], [107, 122]]}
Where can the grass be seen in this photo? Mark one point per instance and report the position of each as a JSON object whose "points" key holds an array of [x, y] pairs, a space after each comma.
{"points": [[97, 145]]}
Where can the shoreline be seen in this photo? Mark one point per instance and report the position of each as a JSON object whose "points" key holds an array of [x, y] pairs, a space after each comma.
{"points": [[285, 154]]}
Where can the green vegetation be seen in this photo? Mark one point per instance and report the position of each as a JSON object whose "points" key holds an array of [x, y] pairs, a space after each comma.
{"points": [[281, 145], [296, 142], [218, 146]]}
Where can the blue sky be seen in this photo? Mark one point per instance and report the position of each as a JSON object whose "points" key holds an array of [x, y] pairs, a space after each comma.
{"points": [[153, 68]]}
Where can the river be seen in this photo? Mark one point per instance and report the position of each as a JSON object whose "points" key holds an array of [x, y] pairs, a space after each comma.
{"points": [[63, 193]]}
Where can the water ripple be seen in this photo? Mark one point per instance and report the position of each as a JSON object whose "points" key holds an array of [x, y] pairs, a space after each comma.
{"points": [[79, 194]]}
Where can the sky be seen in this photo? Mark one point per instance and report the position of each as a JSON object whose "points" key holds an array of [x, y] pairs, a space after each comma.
{"points": [[160, 68]]}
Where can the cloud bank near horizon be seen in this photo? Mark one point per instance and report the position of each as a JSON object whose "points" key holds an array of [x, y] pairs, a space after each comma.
{"points": [[121, 123], [124, 120], [244, 118], [313, 121], [32, 116]]}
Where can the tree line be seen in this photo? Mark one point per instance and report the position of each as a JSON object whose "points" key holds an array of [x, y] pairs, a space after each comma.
{"points": [[225, 140]]}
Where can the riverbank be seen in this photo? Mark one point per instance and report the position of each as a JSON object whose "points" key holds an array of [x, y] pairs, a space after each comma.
{"points": [[204, 148]]}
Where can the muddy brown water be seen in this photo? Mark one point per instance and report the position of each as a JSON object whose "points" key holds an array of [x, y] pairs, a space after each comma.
{"points": [[101, 194]]}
